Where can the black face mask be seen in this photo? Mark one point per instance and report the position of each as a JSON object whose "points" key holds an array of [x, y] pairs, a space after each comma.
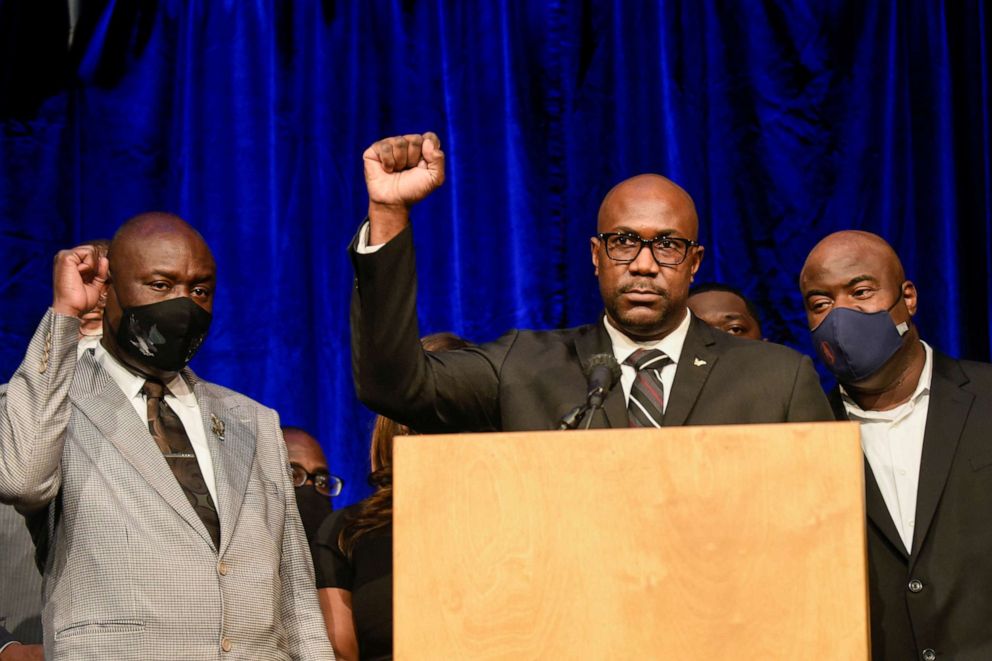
{"points": [[314, 508], [163, 335]]}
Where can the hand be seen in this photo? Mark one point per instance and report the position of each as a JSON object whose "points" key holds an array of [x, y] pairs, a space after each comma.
{"points": [[399, 172], [79, 278], [23, 653]]}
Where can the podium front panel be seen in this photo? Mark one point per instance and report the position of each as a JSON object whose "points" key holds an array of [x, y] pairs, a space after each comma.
{"points": [[708, 543]]}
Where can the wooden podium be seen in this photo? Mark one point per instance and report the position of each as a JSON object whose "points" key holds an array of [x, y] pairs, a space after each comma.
{"points": [[708, 543]]}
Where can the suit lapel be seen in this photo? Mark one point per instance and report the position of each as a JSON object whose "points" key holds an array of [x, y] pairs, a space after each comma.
{"points": [[231, 433], [596, 340], [699, 355], [101, 400], [946, 413], [877, 510]]}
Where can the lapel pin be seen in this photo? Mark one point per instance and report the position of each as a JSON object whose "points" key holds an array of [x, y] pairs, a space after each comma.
{"points": [[698, 362], [217, 427]]}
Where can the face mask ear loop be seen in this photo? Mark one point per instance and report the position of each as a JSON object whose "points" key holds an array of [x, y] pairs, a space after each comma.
{"points": [[902, 327]]}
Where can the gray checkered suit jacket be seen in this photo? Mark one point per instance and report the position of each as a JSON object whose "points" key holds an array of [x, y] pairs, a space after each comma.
{"points": [[131, 572], [20, 583]]}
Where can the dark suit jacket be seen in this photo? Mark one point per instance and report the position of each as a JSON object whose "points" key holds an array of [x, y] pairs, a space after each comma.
{"points": [[950, 611], [527, 380], [5, 637]]}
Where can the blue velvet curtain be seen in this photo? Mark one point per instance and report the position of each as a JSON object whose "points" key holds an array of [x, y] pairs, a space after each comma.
{"points": [[785, 121]]}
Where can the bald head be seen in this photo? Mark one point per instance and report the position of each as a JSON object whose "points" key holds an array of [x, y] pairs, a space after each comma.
{"points": [[304, 449], [155, 257], [645, 194], [858, 270], [646, 298], [143, 231], [852, 247]]}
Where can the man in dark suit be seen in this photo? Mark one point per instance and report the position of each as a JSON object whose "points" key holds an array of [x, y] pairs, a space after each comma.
{"points": [[925, 421], [675, 369]]}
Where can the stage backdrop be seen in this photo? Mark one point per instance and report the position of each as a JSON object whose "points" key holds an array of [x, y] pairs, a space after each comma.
{"points": [[785, 121]]}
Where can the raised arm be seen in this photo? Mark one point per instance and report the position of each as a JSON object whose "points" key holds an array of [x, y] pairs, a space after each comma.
{"points": [[34, 405]]}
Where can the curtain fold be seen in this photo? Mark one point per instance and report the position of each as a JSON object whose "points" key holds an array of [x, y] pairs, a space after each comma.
{"points": [[784, 120]]}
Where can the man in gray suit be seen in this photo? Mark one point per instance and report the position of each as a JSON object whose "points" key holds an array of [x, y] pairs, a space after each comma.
{"points": [[674, 369], [173, 528]]}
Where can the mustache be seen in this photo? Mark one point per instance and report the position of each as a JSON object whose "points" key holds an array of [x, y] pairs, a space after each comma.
{"points": [[648, 286]]}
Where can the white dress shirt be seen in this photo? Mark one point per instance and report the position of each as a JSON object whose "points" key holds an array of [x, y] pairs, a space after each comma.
{"points": [[180, 399], [670, 345], [893, 444]]}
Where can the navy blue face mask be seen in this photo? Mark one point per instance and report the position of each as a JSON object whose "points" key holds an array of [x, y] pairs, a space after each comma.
{"points": [[854, 344]]}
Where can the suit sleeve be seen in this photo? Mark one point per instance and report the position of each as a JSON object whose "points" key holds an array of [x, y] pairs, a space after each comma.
{"points": [[34, 414], [808, 402], [300, 611], [450, 391]]}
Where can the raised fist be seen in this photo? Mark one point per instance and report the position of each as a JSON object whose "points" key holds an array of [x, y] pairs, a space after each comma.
{"points": [[403, 170], [79, 278]]}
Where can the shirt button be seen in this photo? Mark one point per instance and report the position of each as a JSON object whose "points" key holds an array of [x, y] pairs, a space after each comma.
{"points": [[916, 585], [225, 644], [222, 570], [929, 655]]}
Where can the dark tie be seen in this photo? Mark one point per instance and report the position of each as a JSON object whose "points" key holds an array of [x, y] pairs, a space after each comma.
{"points": [[170, 435], [646, 405]]}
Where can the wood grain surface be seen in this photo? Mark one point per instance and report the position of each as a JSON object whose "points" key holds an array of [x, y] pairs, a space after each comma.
{"points": [[735, 542]]}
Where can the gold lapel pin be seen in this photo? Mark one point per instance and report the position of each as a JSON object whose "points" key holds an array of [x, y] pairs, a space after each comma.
{"points": [[217, 427], [698, 362]]}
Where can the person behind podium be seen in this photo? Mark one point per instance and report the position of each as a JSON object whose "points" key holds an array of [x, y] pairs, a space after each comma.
{"points": [[726, 308], [925, 421], [675, 370]]}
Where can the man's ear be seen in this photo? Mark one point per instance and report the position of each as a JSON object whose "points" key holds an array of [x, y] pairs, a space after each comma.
{"points": [[697, 258], [909, 296], [594, 248]]}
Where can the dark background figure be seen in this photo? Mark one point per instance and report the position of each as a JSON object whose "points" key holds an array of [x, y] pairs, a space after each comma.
{"points": [[673, 369], [726, 308], [353, 554], [925, 419], [785, 120], [313, 481]]}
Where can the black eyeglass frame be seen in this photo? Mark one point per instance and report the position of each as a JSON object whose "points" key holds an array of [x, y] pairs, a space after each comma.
{"points": [[686, 243], [332, 484]]}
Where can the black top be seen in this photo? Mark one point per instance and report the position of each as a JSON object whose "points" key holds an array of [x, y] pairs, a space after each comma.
{"points": [[368, 576]]}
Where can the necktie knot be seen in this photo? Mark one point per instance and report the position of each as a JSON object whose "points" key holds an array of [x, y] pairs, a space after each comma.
{"points": [[647, 359], [153, 389]]}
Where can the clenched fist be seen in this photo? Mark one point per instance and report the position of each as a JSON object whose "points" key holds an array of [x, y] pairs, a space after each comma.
{"points": [[79, 278], [399, 172]]}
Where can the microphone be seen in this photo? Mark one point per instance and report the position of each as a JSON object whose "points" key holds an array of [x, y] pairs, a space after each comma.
{"points": [[602, 373]]}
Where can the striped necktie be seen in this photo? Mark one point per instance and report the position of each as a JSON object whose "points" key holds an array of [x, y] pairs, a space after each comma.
{"points": [[646, 406]]}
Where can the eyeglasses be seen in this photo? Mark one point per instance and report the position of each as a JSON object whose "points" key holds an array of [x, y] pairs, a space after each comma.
{"points": [[323, 482], [624, 247]]}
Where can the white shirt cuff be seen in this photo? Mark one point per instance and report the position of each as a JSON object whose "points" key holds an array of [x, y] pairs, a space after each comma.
{"points": [[363, 247], [5, 646]]}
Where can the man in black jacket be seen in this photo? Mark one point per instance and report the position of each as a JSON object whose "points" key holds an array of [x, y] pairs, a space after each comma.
{"points": [[925, 429], [675, 369]]}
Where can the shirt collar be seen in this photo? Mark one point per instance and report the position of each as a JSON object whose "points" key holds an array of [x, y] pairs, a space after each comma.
{"points": [[131, 383], [922, 390], [671, 344]]}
